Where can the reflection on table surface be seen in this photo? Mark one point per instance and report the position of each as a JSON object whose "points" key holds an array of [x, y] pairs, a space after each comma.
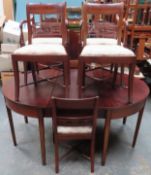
{"points": [[109, 97]]}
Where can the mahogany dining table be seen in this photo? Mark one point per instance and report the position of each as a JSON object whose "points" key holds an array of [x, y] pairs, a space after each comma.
{"points": [[35, 101]]}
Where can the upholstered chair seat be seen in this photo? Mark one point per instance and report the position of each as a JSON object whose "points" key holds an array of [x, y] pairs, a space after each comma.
{"points": [[42, 53], [101, 41], [42, 49], [74, 129], [106, 50]]}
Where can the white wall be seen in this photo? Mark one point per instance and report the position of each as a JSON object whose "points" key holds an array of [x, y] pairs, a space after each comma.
{"points": [[1, 8]]}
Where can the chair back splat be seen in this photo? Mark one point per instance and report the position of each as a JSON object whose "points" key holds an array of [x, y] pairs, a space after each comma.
{"points": [[102, 21], [46, 21]]}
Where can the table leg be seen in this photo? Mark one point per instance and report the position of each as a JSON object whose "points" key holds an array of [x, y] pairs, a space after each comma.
{"points": [[26, 119], [56, 147], [124, 120], [9, 113], [92, 154], [137, 126], [42, 139], [106, 138]]}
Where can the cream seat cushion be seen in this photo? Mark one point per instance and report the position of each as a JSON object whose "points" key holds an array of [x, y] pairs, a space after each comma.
{"points": [[74, 129], [54, 40], [41, 49], [104, 41], [106, 51]]}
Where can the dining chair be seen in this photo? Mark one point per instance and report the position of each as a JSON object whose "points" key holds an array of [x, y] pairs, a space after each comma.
{"points": [[74, 119], [138, 27], [44, 27], [99, 47], [46, 41]]}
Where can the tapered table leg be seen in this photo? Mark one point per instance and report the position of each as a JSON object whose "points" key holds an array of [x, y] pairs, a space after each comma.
{"points": [[137, 126], [106, 138], [42, 139], [11, 125], [26, 119]]}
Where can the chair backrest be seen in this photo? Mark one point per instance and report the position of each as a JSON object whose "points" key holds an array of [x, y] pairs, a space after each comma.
{"points": [[74, 112], [102, 20], [138, 13], [46, 20]]}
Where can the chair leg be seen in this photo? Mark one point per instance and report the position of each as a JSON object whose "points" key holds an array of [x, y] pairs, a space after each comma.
{"points": [[56, 147], [92, 155], [130, 83], [111, 68], [114, 75], [81, 73], [106, 138], [81, 78], [121, 75], [124, 120], [25, 72], [36, 68], [26, 119], [137, 126], [9, 113], [16, 78], [42, 139], [66, 73], [33, 70]]}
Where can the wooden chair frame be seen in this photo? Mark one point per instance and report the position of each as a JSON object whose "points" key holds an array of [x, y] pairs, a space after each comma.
{"points": [[116, 9], [74, 113], [49, 27]]}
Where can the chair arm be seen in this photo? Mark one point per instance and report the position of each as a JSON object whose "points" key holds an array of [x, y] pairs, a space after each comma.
{"points": [[22, 41]]}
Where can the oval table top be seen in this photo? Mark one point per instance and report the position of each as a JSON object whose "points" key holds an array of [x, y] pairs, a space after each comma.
{"points": [[40, 96]]}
